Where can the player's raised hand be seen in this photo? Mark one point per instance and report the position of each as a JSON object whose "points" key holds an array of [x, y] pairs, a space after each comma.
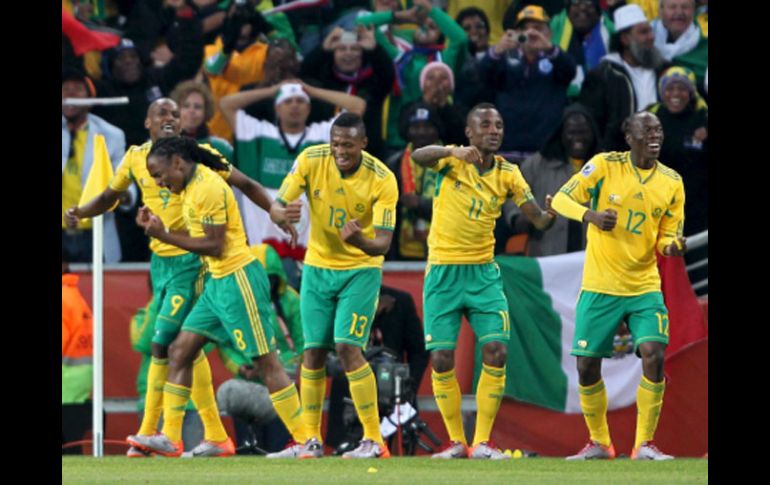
{"points": [[605, 220], [676, 248], [351, 231], [470, 154]]}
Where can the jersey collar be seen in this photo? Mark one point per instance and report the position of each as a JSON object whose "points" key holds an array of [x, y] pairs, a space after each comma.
{"points": [[638, 174]]}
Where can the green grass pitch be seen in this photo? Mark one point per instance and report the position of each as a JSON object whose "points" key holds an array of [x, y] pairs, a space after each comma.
{"points": [[398, 470]]}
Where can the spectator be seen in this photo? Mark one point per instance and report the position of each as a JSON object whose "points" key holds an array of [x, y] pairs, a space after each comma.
{"points": [[266, 151], [572, 144], [420, 126], [196, 108], [316, 25], [494, 10], [530, 82], [76, 361], [428, 46], [625, 80], [125, 75], [78, 129], [583, 31], [150, 24], [354, 63], [680, 39], [684, 116], [235, 59], [437, 83], [282, 63], [393, 21], [469, 90]]}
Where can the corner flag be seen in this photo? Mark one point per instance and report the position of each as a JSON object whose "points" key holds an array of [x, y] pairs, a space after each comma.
{"points": [[101, 172]]}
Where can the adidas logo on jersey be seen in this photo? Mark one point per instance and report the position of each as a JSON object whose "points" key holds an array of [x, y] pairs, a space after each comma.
{"points": [[339, 191], [639, 196]]}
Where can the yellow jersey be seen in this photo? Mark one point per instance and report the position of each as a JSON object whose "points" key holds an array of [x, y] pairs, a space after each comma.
{"points": [[650, 208], [368, 195], [160, 200], [466, 205], [208, 200]]}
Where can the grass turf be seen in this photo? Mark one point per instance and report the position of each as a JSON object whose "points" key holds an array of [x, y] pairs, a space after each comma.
{"points": [[408, 470]]}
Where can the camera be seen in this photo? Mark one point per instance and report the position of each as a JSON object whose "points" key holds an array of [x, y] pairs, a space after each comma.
{"points": [[392, 379], [522, 38]]}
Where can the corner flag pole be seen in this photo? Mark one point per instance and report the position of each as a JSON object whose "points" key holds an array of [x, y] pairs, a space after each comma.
{"points": [[98, 289], [98, 179]]}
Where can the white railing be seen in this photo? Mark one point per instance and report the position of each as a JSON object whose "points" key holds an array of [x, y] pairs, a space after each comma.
{"points": [[694, 242]]}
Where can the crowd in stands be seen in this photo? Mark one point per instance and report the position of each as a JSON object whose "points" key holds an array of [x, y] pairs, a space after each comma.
{"points": [[262, 80]]}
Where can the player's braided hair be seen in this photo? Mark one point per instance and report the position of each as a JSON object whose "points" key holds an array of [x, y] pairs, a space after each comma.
{"points": [[189, 150]]}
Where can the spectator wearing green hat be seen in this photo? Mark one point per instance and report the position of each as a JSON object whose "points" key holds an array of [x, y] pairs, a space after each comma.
{"points": [[684, 116]]}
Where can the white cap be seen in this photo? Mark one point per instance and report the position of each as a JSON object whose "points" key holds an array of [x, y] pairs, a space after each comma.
{"points": [[290, 90], [628, 16]]}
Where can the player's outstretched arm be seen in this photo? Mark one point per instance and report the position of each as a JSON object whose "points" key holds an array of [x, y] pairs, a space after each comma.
{"points": [[351, 234], [96, 206], [541, 219], [251, 189]]}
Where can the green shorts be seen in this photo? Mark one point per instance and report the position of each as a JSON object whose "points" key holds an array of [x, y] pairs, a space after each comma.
{"points": [[598, 316], [338, 306], [176, 282], [473, 290], [235, 310]]}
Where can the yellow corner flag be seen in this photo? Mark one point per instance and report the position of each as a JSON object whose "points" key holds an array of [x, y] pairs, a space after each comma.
{"points": [[101, 172]]}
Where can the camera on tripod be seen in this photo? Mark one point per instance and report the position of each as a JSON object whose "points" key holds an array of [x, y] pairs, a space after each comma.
{"points": [[392, 380]]}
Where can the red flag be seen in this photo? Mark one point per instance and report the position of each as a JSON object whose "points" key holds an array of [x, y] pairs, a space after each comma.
{"points": [[82, 38], [686, 321]]}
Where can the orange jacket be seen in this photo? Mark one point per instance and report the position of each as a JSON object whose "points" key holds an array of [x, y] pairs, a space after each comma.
{"points": [[76, 323]]}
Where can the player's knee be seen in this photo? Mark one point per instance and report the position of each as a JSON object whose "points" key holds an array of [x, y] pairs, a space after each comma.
{"points": [[181, 354], [589, 370], [442, 360], [314, 358], [495, 354], [266, 365], [159, 351], [653, 355], [348, 354]]}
